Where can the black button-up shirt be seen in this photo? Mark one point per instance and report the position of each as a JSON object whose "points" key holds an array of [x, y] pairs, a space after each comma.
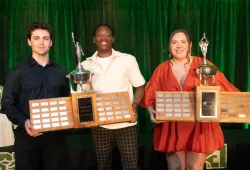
{"points": [[28, 81]]}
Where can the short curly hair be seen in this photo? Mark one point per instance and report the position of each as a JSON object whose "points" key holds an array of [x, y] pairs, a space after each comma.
{"points": [[104, 25]]}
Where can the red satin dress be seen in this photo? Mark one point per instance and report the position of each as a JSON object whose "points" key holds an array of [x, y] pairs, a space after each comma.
{"points": [[201, 137]]}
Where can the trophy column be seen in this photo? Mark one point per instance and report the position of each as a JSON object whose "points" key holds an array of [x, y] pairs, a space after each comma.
{"points": [[83, 100], [207, 94]]}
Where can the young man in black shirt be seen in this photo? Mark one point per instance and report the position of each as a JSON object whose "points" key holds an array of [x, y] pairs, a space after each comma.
{"points": [[36, 78]]}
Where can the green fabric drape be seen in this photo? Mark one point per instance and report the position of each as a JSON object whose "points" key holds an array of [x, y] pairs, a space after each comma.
{"points": [[142, 28]]}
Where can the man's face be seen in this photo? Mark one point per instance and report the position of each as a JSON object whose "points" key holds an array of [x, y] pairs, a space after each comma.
{"points": [[40, 42], [103, 39]]}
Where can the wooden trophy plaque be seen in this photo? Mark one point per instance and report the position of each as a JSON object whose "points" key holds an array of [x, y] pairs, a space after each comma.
{"points": [[81, 110], [84, 109], [51, 114], [175, 106], [207, 103], [235, 107], [202, 105], [228, 107], [114, 108]]}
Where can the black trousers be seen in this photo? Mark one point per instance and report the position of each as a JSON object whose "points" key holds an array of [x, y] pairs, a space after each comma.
{"points": [[127, 142], [45, 152]]}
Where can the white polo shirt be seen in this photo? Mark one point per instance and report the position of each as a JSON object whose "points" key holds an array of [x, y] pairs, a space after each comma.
{"points": [[120, 75]]}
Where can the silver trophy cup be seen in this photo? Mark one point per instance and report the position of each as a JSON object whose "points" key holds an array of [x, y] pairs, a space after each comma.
{"points": [[205, 71], [80, 76]]}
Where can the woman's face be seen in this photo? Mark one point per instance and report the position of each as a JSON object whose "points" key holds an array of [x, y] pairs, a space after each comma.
{"points": [[179, 46]]}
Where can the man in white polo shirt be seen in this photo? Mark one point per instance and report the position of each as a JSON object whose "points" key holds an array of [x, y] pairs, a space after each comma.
{"points": [[113, 71]]}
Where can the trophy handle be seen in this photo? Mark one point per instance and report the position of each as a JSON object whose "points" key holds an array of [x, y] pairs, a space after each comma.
{"points": [[71, 89], [213, 77], [205, 81]]}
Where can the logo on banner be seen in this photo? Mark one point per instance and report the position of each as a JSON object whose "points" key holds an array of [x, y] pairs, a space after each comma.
{"points": [[217, 159], [7, 161]]}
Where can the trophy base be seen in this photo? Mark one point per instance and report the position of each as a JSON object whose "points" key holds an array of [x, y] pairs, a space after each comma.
{"points": [[207, 103], [84, 107], [51, 114], [174, 106], [81, 110]]}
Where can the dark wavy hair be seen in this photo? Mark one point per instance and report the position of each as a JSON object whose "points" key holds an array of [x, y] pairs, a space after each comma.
{"points": [[39, 25]]}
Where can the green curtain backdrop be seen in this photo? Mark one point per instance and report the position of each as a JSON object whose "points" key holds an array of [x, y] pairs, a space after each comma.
{"points": [[142, 28]]}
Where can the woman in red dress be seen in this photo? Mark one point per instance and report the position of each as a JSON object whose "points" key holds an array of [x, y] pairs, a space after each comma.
{"points": [[185, 143]]}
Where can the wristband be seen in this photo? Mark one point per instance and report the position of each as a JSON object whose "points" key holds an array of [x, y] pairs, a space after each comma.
{"points": [[135, 104]]}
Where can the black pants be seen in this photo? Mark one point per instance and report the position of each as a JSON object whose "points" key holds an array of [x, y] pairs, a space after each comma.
{"points": [[45, 152], [126, 139], [39, 159]]}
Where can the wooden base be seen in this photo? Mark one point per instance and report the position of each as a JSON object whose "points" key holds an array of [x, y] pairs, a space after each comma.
{"points": [[235, 107], [84, 109], [207, 103], [231, 107], [202, 105], [114, 108], [51, 114], [81, 110], [175, 106]]}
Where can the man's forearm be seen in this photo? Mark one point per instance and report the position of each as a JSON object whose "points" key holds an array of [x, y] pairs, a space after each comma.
{"points": [[139, 94], [15, 116]]}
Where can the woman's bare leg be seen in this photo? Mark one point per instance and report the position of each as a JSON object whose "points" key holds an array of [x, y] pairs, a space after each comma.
{"points": [[195, 161], [176, 160]]}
